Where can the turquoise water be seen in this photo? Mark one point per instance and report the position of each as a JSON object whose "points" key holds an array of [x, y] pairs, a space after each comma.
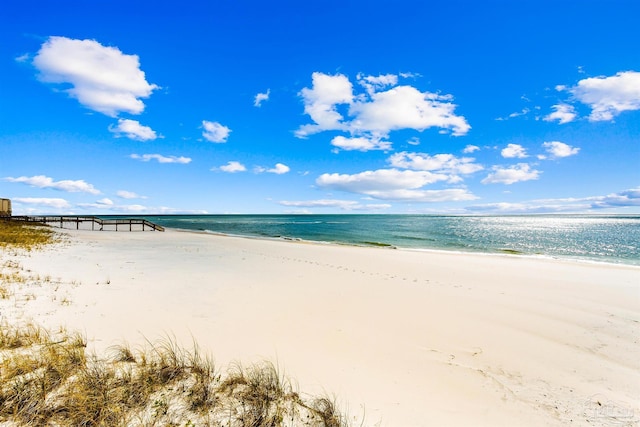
{"points": [[612, 238]]}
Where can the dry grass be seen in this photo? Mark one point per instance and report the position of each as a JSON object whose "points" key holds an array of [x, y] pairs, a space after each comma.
{"points": [[16, 236], [47, 379], [24, 235]]}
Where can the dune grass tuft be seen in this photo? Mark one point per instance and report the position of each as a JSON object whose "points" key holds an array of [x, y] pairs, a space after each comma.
{"points": [[48, 379], [262, 395], [24, 235]]}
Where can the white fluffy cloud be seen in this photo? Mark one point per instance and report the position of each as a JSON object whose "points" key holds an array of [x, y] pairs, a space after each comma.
{"points": [[373, 83], [260, 98], [102, 78], [407, 178], [426, 196], [321, 100], [559, 149], [626, 198], [233, 167], [41, 181], [278, 169], [132, 129], [106, 201], [43, 201], [346, 205], [108, 205], [378, 111], [443, 163], [470, 149], [609, 96], [511, 175], [215, 132], [514, 151], [564, 113], [360, 143], [161, 159], [393, 184], [124, 194], [405, 107], [381, 180]]}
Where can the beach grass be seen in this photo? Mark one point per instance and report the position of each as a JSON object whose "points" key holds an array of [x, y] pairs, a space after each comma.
{"points": [[28, 236], [49, 378]]}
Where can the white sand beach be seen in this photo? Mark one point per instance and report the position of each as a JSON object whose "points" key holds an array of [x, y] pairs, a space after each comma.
{"points": [[400, 338]]}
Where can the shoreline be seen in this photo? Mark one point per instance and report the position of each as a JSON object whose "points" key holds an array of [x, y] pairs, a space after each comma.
{"points": [[501, 252], [578, 242], [399, 337]]}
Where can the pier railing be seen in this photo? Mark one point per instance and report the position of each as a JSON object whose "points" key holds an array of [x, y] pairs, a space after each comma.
{"points": [[93, 223]]}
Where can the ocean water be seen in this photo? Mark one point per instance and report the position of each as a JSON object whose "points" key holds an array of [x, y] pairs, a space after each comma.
{"points": [[602, 238]]}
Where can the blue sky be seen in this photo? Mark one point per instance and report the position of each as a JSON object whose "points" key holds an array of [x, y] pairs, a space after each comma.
{"points": [[452, 107]]}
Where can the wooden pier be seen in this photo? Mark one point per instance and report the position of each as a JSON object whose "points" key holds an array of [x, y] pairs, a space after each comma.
{"points": [[92, 223]]}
